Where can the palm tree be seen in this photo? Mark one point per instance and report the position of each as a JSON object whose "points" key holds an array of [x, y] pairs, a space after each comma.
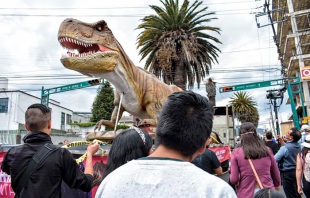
{"points": [[175, 42], [244, 107]]}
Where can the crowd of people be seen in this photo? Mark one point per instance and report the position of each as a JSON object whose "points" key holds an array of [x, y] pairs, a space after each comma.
{"points": [[178, 164]]}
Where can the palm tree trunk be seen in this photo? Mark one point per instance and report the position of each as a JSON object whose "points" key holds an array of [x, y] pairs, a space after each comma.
{"points": [[180, 75]]}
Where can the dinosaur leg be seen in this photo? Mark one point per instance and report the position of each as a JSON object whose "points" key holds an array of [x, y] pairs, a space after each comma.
{"points": [[152, 121], [111, 123]]}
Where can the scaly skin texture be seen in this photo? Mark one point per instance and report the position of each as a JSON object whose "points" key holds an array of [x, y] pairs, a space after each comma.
{"points": [[143, 94]]}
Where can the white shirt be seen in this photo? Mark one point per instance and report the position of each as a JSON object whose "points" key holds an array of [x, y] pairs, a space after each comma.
{"points": [[162, 177]]}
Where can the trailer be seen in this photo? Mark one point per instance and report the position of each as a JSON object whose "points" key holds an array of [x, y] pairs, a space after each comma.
{"points": [[224, 125]]}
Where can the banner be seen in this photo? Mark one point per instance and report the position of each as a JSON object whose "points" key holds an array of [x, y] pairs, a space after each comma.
{"points": [[6, 190], [222, 152]]}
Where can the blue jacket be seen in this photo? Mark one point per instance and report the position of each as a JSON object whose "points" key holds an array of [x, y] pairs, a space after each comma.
{"points": [[286, 156]]}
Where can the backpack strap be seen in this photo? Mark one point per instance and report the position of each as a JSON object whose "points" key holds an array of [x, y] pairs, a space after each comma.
{"points": [[36, 159]]}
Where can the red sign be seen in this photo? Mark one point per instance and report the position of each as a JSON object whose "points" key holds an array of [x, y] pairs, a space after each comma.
{"points": [[222, 152], [6, 190], [305, 73]]}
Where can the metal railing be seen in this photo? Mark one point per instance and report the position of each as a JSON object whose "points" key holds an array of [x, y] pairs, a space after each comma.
{"points": [[16, 137]]}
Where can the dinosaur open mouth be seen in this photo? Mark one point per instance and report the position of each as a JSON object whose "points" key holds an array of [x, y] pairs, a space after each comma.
{"points": [[77, 48]]}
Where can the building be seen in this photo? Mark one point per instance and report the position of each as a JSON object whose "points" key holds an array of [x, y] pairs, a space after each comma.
{"points": [[13, 105], [286, 126], [293, 37]]}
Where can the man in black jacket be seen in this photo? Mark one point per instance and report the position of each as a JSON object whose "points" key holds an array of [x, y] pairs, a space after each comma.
{"points": [[60, 165], [271, 144]]}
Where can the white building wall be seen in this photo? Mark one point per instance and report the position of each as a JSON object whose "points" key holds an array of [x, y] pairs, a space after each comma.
{"points": [[56, 117], [18, 104]]}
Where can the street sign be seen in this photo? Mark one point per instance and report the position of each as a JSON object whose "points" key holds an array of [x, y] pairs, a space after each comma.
{"points": [[251, 85], [46, 92], [70, 87]]}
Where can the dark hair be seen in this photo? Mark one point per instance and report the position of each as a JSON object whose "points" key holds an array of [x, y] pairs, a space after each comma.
{"points": [[268, 193], [126, 146], [253, 146], [269, 135], [99, 169], [37, 117], [304, 152], [185, 122], [295, 134]]}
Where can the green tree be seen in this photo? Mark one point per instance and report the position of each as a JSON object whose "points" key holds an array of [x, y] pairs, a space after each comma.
{"points": [[244, 107], [176, 43], [103, 106]]}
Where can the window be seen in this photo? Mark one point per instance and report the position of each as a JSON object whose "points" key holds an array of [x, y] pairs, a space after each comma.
{"points": [[4, 105], [62, 118], [68, 119]]}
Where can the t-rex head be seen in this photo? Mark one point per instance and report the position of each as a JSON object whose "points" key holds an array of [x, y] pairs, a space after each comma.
{"points": [[92, 48]]}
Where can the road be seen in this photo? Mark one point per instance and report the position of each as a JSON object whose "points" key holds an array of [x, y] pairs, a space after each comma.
{"points": [[225, 177]]}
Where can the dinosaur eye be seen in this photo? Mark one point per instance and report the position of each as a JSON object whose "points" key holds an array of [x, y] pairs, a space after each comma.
{"points": [[99, 28]]}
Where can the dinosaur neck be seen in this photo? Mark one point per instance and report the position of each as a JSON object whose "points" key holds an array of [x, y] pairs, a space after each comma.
{"points": [[125, 75], [120, 78]]}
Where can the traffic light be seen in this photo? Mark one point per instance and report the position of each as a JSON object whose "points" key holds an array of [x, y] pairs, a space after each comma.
{"points": [[95, 82], [273, 94], [227, 89]]}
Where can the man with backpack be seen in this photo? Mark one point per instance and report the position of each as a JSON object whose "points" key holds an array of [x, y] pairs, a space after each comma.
{"points": [[38, 167]]}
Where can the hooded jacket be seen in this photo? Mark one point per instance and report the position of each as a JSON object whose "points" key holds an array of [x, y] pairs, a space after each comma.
{"points": [[47, 177]]}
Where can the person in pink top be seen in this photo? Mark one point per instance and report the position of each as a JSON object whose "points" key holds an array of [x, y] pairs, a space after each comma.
{"points": [[252, 147]]}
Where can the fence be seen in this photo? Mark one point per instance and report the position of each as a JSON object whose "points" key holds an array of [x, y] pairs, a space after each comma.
{"points": [[15, 137]]}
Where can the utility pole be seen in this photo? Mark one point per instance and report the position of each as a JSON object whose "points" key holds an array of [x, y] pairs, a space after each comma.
{"points": [[269, 12], [275, 108], [272, 121]]}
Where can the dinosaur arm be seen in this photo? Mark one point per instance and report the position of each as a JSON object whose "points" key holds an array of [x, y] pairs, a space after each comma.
{"points": [[117, 105], [113, 120]]}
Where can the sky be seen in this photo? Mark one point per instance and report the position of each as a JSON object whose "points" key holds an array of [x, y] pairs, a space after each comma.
{"points": [[30, 52]]}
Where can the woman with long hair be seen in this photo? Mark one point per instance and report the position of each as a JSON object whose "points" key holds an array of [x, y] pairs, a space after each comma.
{"points": [[303, 168], [130, 144], [253, 149]]}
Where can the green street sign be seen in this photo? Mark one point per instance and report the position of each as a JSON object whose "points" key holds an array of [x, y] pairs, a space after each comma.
{"points": [[46, 92], [251, 85], [69, 87]]}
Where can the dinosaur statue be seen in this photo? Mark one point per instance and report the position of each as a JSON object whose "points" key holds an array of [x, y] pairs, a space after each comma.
{"points": [[94, 51]]}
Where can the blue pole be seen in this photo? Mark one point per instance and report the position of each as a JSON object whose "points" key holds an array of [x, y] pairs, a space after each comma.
{"points": [[290, 95], [301, 95]]}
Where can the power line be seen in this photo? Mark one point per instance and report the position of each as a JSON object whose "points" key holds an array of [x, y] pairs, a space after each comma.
{"points": [[134, 7], [227, 52]]}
